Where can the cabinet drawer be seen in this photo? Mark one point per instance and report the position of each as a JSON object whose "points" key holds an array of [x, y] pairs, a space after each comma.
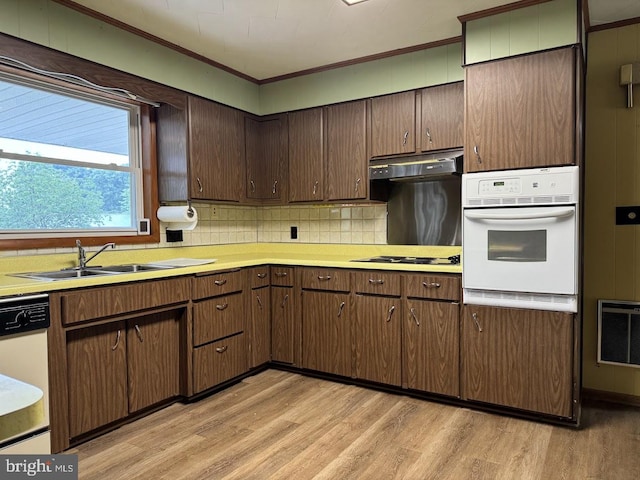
{"points": [[95, 303], [440, 287], [217, 318], [259, 277], [282, 276], [375, 282], [325, 279], [217, 284], [219, 361]]}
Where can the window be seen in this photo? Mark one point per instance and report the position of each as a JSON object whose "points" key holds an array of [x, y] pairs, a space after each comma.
{"points": [[70, 162]]}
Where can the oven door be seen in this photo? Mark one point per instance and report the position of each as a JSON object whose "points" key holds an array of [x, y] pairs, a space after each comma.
{"points": [[520, 249]]}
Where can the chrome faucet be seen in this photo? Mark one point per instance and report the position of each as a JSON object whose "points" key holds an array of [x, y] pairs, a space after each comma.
{"points": [[82, 253]]}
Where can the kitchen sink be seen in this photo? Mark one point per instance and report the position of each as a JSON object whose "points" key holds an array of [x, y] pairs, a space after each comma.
{"points": [[70, 274]]}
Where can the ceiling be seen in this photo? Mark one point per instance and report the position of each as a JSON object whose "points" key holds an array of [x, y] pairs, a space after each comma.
{"points": [[263, 39]]}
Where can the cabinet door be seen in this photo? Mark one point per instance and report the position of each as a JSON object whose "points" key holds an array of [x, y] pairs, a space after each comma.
{"points": [[260, 326], [518, 358], [282, 317], [153, 358], [347, 162], [216, 146], [306, 156], [378, 339], [266, 155], [97, 372], [431, 347], [520, 112], [393, 124], [442, 117], [326, 332]]}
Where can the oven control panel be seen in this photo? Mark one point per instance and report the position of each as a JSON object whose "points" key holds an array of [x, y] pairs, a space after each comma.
{"points": [[505, 185], [24, 314]]}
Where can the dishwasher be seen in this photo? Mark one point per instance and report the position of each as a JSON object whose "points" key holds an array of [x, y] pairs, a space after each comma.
{"points": [[24, 376]]}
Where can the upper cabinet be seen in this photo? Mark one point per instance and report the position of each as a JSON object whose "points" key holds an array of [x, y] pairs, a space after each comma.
{"points": [[442, 117], [200, 152], [266, 149], [521, 112], [393, 124], [306, 156], [347, 159]]}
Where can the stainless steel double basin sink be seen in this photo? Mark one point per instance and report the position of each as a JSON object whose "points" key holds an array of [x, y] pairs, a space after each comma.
{"points": [[74, 273]]}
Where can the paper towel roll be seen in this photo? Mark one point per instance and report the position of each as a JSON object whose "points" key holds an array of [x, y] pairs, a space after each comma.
{"points": [[178, 218]]}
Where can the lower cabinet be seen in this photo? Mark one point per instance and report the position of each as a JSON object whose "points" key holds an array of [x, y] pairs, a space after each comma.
{"points": [[431, 346], [518, 358], [260, 326], [219, 361], [120, 368], [282, 315], [377, 335], [326, 332]]}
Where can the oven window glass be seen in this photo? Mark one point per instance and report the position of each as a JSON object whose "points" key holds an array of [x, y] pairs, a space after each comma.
{"points": [[517, 246]]}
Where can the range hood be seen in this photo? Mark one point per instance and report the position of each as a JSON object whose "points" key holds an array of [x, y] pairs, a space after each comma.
{"points": [[417, 168]]}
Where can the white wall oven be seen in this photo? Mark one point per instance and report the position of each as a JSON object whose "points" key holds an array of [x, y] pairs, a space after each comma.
{"points": [[520, 238], [24, 376]]}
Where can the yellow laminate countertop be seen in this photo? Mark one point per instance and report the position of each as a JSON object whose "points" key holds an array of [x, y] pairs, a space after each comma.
{"points": [[227, 257], [21, 407]]}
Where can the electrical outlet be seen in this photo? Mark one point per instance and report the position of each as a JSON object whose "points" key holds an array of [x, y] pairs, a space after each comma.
{"points": [[294, 232]]}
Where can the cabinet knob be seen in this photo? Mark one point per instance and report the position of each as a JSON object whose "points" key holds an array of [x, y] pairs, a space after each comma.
{"points": [[262, 275], [376, 281], [474, 315], [222, 307], [281, 274], [324, 277], [431, 285], [477, 152], [222, 349], [220, 282], [412, 311], [199, 184]]}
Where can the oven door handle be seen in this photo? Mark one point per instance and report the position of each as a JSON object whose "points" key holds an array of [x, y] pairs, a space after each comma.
{"points": [[556, 213]]}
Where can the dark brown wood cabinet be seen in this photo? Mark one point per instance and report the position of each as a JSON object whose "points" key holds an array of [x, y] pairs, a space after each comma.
{"points": [[306, 155], [442, 120], [97, 376], [347, 156], [521, 112], [518, 358], [201, 152], [260, 316], [282, 315], [219, 361], [431, 346], [393, 124], [266, 157]]}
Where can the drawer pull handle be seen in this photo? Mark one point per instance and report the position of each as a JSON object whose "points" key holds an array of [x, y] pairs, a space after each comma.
{"points": [[219, 282], [340, 309], [431, 285], [429, 136], [275, 187], [253, 186], [474, 315], [476, 150], [199, 184], [405, 137], [139, 333], [259, 300], [221, 349], [413, 315], [262, 275], [222, 307], [281, 274], [117, 341], [324, 277], [315, 187], [390, 313], [284, 300], [378, 281]]}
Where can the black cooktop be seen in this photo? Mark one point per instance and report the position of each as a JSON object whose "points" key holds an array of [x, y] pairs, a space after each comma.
{"points": [[453, 260]]}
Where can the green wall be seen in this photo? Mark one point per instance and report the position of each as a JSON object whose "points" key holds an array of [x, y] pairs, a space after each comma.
{"points": [[50, 24], [539, 27]]}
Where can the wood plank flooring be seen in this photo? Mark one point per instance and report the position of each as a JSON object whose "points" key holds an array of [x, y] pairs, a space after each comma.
{"points": [[280, 425]]}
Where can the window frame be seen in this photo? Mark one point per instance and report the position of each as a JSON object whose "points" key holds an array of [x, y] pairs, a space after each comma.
{"points": [[148, 163]]}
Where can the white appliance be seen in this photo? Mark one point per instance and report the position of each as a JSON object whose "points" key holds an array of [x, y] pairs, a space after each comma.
{"points": [[24, 376], [520, 238]]}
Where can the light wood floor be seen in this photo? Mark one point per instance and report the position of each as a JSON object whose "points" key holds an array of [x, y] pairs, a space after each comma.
{"points": [[280, 425]]}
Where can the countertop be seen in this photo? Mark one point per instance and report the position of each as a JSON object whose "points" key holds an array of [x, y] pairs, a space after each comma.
{"points": [[21, 407], [227, 257]]}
